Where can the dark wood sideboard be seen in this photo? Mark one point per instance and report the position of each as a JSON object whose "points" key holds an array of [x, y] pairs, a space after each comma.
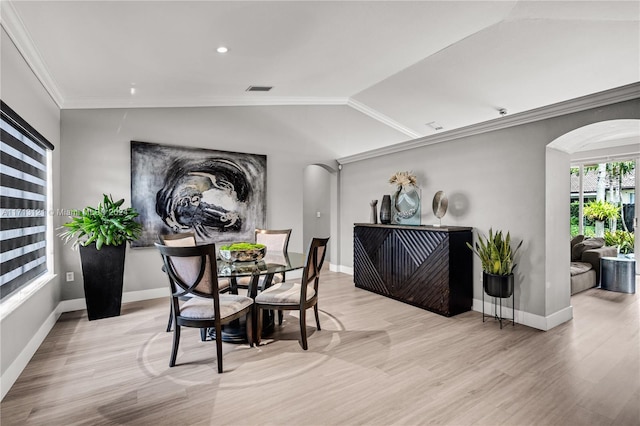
{"points": [[425, 266]]}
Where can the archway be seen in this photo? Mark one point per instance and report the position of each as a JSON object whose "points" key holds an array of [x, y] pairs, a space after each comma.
{"points": [[611, 138], [320, 206]]}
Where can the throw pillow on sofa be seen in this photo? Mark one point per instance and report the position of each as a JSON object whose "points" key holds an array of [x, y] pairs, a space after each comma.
{"points": [[587, 244], [577, 239]]}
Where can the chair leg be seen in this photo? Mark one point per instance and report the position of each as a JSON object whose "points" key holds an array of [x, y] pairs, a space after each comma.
{"points": [[315, 311], [280, 317], [249, 328], [170, 317], [257, 318], [219, 347], [303, 328], [203, 334], [176, 342]]}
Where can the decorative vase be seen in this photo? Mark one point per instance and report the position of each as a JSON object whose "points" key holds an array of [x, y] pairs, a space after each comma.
{"points": [[385, 209], [103, 272], [498, 285], [406, 205], [374, 211]]}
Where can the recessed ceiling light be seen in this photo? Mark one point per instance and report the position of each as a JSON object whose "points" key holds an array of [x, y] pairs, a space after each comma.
{"points": [[132, 90], [222, 49]]}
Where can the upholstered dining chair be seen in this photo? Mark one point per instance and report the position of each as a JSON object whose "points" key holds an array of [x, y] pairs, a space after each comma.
{"points": [[295, 296], [193, 271], [277, 241], [188, 239]]}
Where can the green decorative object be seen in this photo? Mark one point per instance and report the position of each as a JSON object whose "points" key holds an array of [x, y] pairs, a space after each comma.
{"points": [[495, 253], [101, 234], [107, 224], [601, 210], [242, 252]]}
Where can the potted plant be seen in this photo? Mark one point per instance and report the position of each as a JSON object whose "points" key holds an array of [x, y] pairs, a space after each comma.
{"points": [[601, 211], [623, 240], [101, 234], [497, 257]]}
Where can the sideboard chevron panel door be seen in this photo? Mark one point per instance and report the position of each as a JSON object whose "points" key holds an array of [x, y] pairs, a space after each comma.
{"points": [[429, 267]]}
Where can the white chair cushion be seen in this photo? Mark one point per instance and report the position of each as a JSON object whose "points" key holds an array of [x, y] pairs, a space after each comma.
{"points": [[202, 308], [287, 293]]}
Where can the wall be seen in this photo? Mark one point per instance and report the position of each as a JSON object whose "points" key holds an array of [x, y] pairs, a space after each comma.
{"points": [[317, 199], [495, 179], [23, 327], [97, 160]]}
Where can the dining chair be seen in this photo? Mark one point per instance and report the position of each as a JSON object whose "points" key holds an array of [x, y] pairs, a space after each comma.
{"points": [[193, 271], [295, 296], [188, 239], [277, 241]]}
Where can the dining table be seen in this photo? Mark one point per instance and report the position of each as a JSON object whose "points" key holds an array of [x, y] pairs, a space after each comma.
{"points": [[267, 267]]}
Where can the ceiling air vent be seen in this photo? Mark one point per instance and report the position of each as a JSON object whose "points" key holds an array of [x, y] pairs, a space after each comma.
{"points": [[259, 88]]}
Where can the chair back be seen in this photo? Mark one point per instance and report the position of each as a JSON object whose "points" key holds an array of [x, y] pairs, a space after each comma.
{"points": [[191, 270], [276, 240], [185, 239], [315, 259]]}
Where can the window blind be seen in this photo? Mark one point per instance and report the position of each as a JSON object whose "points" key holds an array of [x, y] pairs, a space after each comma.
{"points": [[23, 201]]}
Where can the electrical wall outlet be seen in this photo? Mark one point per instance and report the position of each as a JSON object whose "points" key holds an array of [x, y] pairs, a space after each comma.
{"points": [[70, 276]]}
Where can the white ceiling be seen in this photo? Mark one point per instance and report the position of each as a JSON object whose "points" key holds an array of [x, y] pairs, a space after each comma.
{"points": [[403, 63]]}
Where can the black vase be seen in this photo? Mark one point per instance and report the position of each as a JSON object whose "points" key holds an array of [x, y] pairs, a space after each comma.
{"points": [[103, 272], [498, 285], [385, 209]]}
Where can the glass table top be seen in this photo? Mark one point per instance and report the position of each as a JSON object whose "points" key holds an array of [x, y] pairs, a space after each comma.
{"points": [[272, 263]]}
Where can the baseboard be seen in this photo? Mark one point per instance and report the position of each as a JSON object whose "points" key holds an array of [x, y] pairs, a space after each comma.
{"points": [[130, 296], [12, 373], [526, 318], [344, 269]]}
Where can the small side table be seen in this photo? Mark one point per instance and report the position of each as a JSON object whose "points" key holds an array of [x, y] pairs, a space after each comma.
{"points": [[618, 274]]}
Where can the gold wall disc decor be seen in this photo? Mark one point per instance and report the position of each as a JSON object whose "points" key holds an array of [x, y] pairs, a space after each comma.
{"points": [[440, 204]]}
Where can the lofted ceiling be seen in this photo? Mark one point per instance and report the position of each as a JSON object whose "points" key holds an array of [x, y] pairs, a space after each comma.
{"points": [[403, 63]]}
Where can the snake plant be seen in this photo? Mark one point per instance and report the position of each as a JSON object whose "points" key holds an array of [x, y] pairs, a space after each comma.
{"points": [[107, 224], [495, 252]]}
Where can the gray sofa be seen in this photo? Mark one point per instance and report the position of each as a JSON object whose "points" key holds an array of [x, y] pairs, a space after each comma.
{"points": [[585, 262]]}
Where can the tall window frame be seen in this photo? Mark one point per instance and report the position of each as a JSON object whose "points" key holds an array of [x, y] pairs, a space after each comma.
{"points": [[25, 188]]}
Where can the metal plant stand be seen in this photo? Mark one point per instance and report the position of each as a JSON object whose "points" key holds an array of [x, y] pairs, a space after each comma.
{"points": [[497, 309]]}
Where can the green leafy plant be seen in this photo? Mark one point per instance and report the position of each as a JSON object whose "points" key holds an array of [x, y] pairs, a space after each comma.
{"points": [[495, 252], [622, 239], [107, 224], [601, 210]]}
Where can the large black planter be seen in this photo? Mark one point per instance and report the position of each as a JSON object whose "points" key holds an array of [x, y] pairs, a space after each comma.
{"points": [[103, 272], [498, 285]]}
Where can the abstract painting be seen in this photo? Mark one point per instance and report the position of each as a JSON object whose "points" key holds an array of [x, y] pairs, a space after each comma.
{"points": [[218, 195]]}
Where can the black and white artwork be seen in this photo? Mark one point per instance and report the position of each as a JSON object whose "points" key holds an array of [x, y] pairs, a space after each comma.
{"points": [[218, 195]]}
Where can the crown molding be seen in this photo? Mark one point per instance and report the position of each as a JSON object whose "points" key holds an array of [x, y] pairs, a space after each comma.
{"points": [[607, 97], [358, 106], [216, 101], [13, 25]]}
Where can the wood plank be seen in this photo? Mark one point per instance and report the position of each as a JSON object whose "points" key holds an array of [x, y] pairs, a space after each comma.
{"points": [[376, 361]]}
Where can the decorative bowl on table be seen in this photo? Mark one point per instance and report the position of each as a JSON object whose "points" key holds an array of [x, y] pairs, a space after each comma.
{"points": [[242, 252]]}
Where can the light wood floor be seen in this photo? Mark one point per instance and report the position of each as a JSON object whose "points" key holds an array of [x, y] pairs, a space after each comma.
{"points": [[375, 362]]}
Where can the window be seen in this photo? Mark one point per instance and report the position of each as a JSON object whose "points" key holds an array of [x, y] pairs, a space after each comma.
{"points": [[23, 197], [610, 182]]}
